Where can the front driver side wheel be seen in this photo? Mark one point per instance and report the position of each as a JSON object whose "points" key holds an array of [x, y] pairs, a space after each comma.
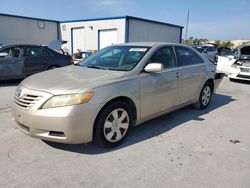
{"points": [[113, 124]]}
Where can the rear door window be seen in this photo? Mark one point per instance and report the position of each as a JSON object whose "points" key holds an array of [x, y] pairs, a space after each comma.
{"points": [[187, 56], [33, 51], [210, 48]]}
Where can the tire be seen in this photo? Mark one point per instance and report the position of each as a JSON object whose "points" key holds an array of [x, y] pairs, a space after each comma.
{"points": [[232, 80], [205, 96], [113, 124], [215, 59], [52, 67]]}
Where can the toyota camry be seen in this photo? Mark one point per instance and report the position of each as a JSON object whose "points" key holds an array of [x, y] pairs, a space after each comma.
{"points": [[120, 86]]}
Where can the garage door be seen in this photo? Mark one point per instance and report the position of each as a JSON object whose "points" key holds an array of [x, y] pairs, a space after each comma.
{"points": [[77, 39], [107, 38]]}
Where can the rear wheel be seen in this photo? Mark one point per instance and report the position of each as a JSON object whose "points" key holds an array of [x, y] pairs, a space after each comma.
{"points": [[52, 67], [113, 124], [205, 96]]}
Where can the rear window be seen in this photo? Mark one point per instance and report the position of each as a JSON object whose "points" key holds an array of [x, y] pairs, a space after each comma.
{"points": [[198, 48], [46, 53], [210, 48]]}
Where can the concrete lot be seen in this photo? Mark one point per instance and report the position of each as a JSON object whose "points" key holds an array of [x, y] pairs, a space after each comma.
{"points": [[187, 148]]}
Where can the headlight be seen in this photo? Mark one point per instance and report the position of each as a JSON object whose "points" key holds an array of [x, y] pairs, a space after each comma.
{"points": [[67, 100], [235, 66]]}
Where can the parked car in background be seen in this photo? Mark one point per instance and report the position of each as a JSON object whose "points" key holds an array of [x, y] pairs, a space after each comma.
{"points": [[225, 52], [20, 61], [112, 90], [208, 50], [236, 67], [198, 48], [226, 57]]}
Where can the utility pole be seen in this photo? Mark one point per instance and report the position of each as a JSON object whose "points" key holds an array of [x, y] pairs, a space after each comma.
{"points": [[187, 26]]}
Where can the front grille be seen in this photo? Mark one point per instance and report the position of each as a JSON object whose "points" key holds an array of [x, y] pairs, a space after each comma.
{"points": [[244, 69], [27, 100], [243, 76]]}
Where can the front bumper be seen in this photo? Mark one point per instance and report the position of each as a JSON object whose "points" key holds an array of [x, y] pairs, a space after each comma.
{"points": [[242, 73], [71, 124]]}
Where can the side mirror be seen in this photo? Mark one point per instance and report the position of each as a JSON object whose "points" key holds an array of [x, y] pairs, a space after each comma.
{"points": [[154, 67]]}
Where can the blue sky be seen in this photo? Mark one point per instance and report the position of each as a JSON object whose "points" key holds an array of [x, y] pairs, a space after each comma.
{"points": [[212, 19]]}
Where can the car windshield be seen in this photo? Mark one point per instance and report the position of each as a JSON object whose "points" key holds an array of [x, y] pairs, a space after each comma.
{"points": [[120, 58], [245, 52], [198, 48]]}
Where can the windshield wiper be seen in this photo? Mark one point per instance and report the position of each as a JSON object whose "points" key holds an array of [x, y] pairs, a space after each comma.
{"points": [[93, 67], [115, 69]]}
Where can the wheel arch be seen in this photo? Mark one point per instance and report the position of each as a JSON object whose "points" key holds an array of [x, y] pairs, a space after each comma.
{"points": [[52, 65], [211, 81], [125, 99]]}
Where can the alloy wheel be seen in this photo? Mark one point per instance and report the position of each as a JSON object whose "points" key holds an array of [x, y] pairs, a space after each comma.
{"points": [[116, 125], [206, 95]]}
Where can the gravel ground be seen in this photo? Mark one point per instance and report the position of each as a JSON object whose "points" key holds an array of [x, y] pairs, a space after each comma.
{"points": [[186, 148]]}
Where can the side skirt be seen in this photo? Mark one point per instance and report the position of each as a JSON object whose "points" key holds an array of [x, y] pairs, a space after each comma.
{"points": [[138, 122]]}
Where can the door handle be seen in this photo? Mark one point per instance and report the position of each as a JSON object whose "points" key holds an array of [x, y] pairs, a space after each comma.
{"points": [[177, 74], [18, 61]]}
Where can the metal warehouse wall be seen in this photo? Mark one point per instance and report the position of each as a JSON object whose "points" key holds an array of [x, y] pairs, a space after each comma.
{"points": [[91, 29], [140, 31], [17, 30]]}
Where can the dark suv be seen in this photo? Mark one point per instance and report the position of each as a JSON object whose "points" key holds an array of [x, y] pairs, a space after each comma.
{"points": [[20, 61]]}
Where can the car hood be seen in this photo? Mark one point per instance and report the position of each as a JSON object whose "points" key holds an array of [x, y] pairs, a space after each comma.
{"points": [[71, 79], [244, 52]]}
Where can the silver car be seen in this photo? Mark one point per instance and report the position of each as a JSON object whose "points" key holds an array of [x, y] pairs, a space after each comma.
{"points": [[208, 50], [116, 88]]}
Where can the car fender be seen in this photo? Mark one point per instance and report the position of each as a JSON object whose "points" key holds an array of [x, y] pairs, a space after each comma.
{"points": [[105, 94]]}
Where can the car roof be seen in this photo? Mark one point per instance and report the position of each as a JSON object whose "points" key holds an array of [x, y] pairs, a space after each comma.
{"points": [[147, 44], [16, 45], [197, 46]]}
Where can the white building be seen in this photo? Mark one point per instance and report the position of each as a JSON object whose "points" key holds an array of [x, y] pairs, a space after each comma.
{"points": [[26, 30], [85, 35], [95, 34]]}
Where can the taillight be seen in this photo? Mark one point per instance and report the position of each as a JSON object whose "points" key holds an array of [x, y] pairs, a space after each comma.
{"points": [[70, 59]]}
